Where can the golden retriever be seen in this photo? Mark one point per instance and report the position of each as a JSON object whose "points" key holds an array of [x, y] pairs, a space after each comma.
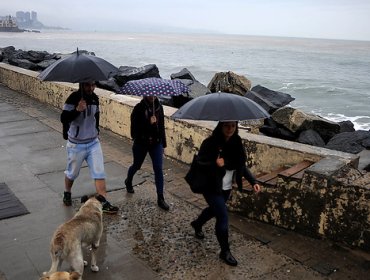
{"points": [[84, 229]]}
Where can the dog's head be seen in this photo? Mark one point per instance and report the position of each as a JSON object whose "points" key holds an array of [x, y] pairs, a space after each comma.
{"points": [[92, 202], [62, 276], [97, 197]]}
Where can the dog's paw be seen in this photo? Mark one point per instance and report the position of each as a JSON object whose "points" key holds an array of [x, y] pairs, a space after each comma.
{"points": [[45, 276], [94, 268], [85, 263]]}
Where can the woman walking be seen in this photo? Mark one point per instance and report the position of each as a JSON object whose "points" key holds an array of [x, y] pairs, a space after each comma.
{"points": [[223, 153]]}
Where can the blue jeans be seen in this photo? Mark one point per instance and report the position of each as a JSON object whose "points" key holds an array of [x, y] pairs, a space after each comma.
{"points": [[156, 154], [91, 153], [217, 208]]}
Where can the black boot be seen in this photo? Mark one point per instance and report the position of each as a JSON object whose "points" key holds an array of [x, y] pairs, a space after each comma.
{"points": [[162, 204], [228, 258], [197, 230], [129, 187], [225, 255]]}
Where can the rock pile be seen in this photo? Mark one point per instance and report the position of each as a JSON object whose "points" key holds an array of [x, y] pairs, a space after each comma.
{"points": [[285, 123]]}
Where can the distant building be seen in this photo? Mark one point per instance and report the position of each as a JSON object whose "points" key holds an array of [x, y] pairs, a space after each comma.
{"points": [[9, 24], [28, 20]]}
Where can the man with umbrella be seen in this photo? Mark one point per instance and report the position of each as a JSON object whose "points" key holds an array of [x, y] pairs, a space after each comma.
{"points": [[80, 118]]}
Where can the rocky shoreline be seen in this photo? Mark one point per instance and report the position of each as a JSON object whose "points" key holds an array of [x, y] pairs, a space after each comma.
{"points": [[285, 123]]}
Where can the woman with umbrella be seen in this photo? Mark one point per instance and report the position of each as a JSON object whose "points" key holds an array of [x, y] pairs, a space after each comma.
{"points": [[148, 133], [223, 153]]}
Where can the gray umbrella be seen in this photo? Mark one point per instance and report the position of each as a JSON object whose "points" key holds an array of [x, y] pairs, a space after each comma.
{"points": [[221, 106], [78, 68]]}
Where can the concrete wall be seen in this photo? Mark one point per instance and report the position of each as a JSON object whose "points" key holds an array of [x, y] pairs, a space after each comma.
{"points": [[314, 206]]}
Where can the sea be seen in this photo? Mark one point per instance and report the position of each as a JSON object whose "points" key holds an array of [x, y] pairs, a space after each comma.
{"points": [[330, 78]]}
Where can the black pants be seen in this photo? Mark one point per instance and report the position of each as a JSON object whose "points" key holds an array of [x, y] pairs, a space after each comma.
{"points": [[217, 208]]}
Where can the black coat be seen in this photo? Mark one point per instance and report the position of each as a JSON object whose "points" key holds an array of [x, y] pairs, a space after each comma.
{"points": [[144, 133], [234, 157]]}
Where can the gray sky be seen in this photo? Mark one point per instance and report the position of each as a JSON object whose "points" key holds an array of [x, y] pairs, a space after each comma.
{"points": [[332, 19]]}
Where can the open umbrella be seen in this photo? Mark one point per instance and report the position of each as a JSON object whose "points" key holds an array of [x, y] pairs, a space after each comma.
{"points": [[221, 106], [154, 87], [78, 68]]}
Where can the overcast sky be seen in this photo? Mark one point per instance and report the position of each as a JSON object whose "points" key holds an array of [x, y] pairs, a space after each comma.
{"points": [[332, 19]]}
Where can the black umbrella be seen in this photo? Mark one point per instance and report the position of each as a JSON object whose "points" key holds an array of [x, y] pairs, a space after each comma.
{"points": [[78, 68], [221, 106]]}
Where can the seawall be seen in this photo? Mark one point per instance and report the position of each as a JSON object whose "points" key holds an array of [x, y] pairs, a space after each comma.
{"points": [[316, 204]]}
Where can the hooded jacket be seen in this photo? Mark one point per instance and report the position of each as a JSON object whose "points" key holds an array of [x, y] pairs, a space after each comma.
{"points": [[81, 127], [142, 131]]}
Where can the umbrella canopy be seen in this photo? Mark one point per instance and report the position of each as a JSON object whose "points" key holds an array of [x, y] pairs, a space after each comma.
{"points": [[154, 87], [221, 106], [78, 68]]}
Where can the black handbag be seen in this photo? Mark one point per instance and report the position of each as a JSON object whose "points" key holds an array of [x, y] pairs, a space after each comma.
{"points": [[196, 176]]}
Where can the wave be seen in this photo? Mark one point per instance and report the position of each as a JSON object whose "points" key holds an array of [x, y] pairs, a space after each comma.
{"points": [[359, 122]]}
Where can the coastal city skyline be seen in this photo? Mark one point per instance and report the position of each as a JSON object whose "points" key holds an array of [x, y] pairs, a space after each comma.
{"points": [[341, 19]]}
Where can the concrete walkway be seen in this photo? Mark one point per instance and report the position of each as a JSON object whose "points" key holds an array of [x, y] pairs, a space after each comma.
{"points": [[32, 163]]}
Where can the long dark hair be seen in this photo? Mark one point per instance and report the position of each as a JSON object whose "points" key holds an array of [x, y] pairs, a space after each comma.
{"points": [[232, 150], [217, 132]]}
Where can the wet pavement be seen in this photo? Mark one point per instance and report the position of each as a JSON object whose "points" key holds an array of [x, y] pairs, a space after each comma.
{"points": [[142, 241]]}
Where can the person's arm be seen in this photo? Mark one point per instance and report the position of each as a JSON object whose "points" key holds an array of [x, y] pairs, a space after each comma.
{"points": [[97, 121], [247, 174], [72, 109], [135, 119]]}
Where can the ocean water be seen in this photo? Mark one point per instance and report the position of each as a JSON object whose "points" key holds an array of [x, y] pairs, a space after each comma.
{"points": [[330, 78]]}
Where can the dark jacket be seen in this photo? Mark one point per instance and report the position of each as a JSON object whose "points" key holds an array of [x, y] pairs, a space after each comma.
{"points": [[234, 157], [144, 133], [81, 127]]}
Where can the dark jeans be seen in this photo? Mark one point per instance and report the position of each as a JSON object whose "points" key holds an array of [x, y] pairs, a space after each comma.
{"points": [[156, 154], [217, 208]]}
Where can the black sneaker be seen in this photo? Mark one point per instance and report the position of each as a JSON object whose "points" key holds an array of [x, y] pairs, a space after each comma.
{"points": [[109, 208], [67, 199], [129, 187], [197, 230], [228, 258], [162, 204]]}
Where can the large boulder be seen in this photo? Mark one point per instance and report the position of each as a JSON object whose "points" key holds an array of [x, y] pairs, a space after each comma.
{"points": [[273, 129], [7, 53], [229, 82], [350, 142], [129, 73], [24, 63], [276, 98], [346, 126], [297, 121], [196, 89], [264, 103], [184, 74], [311, 137]]}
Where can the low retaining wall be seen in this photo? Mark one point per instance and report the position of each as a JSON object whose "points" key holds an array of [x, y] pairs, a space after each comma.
{"points": [[318, 205]]}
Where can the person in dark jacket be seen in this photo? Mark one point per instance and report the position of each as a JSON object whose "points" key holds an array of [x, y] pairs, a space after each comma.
{"points": [[148, 133], [224, 155], [80, 118]]}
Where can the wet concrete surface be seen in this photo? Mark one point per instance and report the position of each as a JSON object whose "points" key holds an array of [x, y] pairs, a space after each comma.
{"points": [[142, 241]]}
